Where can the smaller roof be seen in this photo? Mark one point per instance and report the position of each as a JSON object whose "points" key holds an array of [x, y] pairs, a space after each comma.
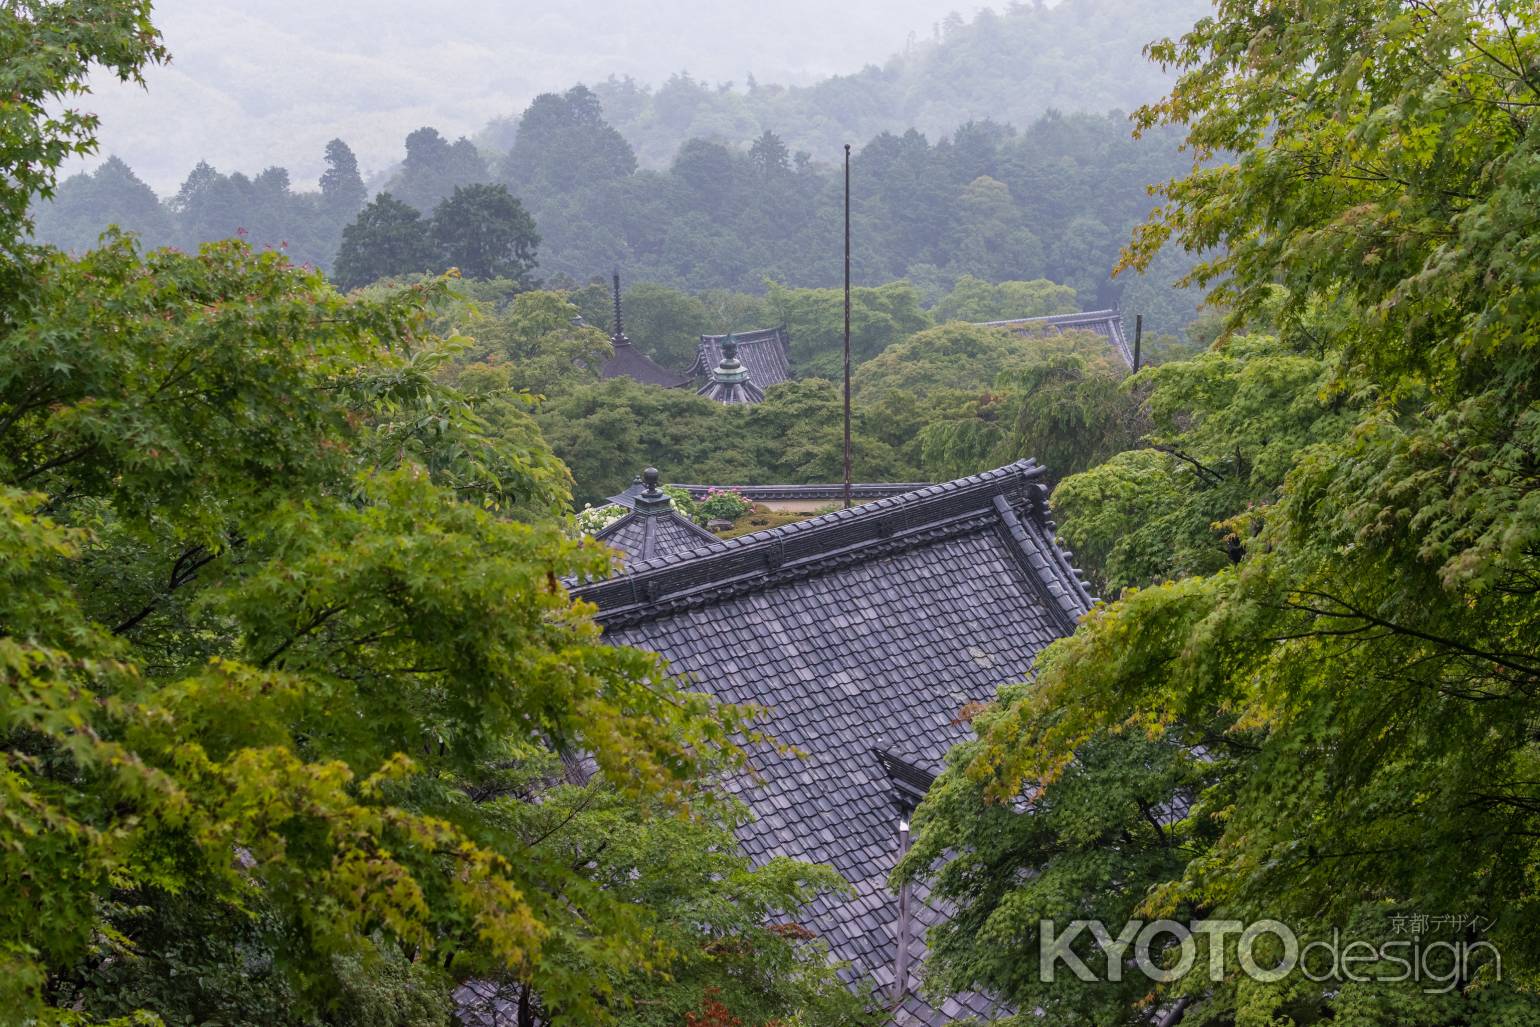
{"points": [[1106, 323], [654, 528], [630, 362], [764, 353]]}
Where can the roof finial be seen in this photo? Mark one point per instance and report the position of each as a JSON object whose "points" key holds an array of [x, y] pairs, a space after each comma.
{"points": [[654, 500], [730, 369], [620, 330]]}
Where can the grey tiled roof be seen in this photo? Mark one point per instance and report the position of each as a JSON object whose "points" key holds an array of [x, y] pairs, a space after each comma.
{"points": [[763, 352], [642, 537], [742, 393], [630, 362], [864, 629], [1106, 323]]}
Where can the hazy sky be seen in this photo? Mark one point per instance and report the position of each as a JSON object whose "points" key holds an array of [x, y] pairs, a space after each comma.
{"points": [[258, 82]]}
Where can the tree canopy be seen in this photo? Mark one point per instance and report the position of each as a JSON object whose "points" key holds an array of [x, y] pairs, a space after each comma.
{"points": [[1322, 694], [291, 683]]}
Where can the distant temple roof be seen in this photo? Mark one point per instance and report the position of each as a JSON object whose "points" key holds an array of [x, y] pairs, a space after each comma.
{"points": [[729, 381], [1106, 323], [864, 633], [654, 529], [763, 352], [629, 362], [860, 492]]}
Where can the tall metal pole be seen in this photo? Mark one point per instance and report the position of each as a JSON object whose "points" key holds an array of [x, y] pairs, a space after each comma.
{"points": [[1138, 337], [847, 326]]}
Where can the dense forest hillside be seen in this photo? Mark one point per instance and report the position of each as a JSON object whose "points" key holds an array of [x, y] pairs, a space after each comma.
{"points": [[1010, 66], [958, 171]]}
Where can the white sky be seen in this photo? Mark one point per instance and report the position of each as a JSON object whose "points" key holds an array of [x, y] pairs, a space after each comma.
{"points": [[260, 82]]}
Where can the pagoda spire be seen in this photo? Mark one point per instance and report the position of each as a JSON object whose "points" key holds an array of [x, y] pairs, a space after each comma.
{"points": [[619, 338]]}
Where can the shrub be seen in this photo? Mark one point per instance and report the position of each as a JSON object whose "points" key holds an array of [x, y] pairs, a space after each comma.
{"points": [[723, 504], [594, 519]]}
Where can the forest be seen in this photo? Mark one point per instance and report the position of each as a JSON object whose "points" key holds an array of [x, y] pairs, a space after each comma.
{"points": [[296, 691], [1046, 194]]}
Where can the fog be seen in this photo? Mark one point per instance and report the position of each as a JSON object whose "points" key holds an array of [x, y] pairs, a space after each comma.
{"points": [[279, 77]]}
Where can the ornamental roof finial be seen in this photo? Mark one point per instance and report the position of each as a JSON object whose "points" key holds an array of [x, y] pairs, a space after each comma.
{"points": [[653, 500]]}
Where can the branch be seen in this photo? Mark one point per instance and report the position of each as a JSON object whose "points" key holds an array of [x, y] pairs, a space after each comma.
{"points": [[1500, 659], [184, 570], [58, 461], [320, 618], [1209, 473]]}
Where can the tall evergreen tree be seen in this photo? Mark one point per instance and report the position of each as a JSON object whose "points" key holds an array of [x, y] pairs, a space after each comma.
{"points": [[559, 134], [342, 188], [486, 233], [434, 168], [387, 238]]}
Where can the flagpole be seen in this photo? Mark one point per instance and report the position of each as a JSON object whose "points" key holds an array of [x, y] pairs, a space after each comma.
{"points": [[847, 326]]}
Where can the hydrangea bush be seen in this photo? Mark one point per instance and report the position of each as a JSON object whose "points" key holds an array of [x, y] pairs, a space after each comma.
{"points": [[726, 504], [594, 519]]}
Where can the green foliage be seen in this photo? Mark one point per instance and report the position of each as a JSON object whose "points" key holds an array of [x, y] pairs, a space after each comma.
{"points": [[84, 204], [966, 357], [560, 133], [712, 913], [534, 342], [814, 318], [608, 431], [1226, 427], [46, 51], [990, 237], [286, 659], [485, 232], [386, 240], [434, 168], [666, 323], [734, 196], [1359, 672], [342, 188], [974, 299], [1096, 844]]}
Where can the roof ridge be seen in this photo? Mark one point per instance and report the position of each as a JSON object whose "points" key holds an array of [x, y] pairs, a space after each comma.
{"points": [[908, 486], [865, 511], [753, 334], [651, 587], [1090, 315]]}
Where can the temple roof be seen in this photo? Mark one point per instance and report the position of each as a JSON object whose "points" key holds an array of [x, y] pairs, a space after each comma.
{"points": [[744, 393], [629, 362], [1106, 323], [730, 380], [654, 528], [865, 633], [763, 352], [860, 492]]}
